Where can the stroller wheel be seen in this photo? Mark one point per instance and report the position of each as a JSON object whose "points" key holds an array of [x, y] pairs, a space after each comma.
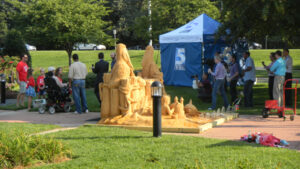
{"points": [[52, 110], [42, 110], [265, 113], [67, 108]]}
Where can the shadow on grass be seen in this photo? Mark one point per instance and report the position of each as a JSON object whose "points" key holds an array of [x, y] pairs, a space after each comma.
{"points": [[105, 137], [233, 144]]}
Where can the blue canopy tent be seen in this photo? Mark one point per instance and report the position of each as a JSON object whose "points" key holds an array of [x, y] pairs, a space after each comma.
{"points": [[182, 50]]}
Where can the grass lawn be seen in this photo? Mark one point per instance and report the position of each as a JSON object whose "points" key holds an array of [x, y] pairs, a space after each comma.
{"points": [[102, 147], [26, 128], [60, 59]]}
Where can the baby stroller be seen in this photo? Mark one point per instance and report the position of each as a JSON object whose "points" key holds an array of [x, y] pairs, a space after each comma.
{"points": [[58, 99]]}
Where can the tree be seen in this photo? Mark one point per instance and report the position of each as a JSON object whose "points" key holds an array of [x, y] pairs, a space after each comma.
{"points": [[64, 22], [254, 19], [171, 14]]}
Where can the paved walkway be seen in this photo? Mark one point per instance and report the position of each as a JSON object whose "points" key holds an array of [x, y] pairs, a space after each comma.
{"points": [[61, 119], [233, 130]]}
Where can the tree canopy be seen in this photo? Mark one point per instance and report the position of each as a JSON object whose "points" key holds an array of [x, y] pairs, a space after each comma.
{"points": [[255, 19], [63, 22]]}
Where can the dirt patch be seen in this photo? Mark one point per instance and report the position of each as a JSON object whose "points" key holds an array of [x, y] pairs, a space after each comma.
{"points": [[38, 164]]}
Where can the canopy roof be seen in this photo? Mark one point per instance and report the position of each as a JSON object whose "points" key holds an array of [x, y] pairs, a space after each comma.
{"points": [[201, 29]]}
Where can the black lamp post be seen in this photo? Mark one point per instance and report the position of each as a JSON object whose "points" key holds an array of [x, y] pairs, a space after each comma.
{"points": [[3, 81], [156, 92]]}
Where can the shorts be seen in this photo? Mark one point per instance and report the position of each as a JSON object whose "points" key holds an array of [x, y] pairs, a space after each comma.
{"points": [[42, 92], [23, 86], [30, 91]]}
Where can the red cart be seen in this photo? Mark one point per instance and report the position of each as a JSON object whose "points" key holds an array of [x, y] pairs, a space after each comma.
{"points": [[271, 106]]}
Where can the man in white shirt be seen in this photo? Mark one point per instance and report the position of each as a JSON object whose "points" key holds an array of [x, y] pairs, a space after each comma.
{"points": [[288, 75], [249, 79], [77, 74]]}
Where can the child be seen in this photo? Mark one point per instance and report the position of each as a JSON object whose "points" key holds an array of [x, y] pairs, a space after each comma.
{"points": [[204, 89], [30, 92], [41, 84]]}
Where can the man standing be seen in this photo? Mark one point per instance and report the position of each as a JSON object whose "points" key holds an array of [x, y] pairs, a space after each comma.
{"points": [[219, 74], [288, 75], [113, 60], [101, 67], [77, 74], [22, 69], [279, 69], [249, 79]]}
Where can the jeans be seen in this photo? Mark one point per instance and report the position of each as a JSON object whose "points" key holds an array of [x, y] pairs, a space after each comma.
{"points": [[288, 93], [219, 86], [233, 90], [79, 96], [248, 93]]}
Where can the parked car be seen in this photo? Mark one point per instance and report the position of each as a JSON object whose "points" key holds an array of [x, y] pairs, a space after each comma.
{"points": [[82, 46], [255, 45], [30, 47]]}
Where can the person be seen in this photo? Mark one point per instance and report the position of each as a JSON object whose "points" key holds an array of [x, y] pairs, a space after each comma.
{"points": [[30, 89], [113, 58], [21, 74], [204, 88], [77, 75], [279, 69], [100, 68], [219, 75], [249, 79], [271, 74], [288, 75], [58, 77], [41, 84], [233, 77]]}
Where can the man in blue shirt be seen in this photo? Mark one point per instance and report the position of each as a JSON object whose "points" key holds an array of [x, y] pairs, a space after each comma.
{"points": [[249, 79], [279, 69]]}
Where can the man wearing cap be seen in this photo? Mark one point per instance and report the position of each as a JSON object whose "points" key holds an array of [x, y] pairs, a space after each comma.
{"points": [[22, 69], [77, 74], [249, 79]]}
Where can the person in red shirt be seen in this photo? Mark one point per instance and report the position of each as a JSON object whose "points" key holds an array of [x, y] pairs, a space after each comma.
{"points": [[30, 90], [22, 68], [41, 84]]}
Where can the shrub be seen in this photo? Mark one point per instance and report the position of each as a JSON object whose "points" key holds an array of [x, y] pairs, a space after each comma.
{"points": [[23, 150]]}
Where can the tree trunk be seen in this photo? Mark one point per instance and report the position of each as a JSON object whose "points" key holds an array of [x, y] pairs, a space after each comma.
{"points": [[69, 51]]}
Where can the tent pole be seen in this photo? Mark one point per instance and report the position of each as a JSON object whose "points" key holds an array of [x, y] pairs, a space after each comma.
{"points": [[203, 59]]}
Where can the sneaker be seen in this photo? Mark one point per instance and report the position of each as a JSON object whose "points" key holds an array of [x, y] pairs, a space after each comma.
{"points": [[86, 111], [75, 112], [210, 108]]}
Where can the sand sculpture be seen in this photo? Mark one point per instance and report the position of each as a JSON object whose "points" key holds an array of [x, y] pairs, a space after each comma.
{"points": [[126, 98], [150, 69]]}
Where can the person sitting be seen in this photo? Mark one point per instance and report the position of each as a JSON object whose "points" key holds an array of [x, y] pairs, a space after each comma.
{"points": [[51, 73], [204, 88], [58, 77]]}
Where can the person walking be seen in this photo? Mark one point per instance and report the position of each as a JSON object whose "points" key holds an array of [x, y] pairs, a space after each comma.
{"points": [[249, 79], [100, 68], [233, 77], [288, 75], [219, 75], [279, 69], [271, 75], [21, 70], [77, 75]]}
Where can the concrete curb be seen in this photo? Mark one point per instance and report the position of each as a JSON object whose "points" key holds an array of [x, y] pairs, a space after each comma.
{"points": [[198, 130]]}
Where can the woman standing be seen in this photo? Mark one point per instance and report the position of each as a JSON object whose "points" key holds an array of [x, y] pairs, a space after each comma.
{"points": [[271, 74], [233, 77]]}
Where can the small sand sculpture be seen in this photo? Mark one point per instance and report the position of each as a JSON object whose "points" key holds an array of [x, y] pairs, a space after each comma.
{"points": [[190, 109], [150, 69], [126, 98]]}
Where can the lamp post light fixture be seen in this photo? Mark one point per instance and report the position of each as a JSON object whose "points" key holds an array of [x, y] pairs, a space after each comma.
{"points": [[3, 92], [115, 36], [156, 92]]}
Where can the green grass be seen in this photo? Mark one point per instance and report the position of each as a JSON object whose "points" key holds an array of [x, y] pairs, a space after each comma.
{"points": [[103, 147], [26, 128], [264, 73]]}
